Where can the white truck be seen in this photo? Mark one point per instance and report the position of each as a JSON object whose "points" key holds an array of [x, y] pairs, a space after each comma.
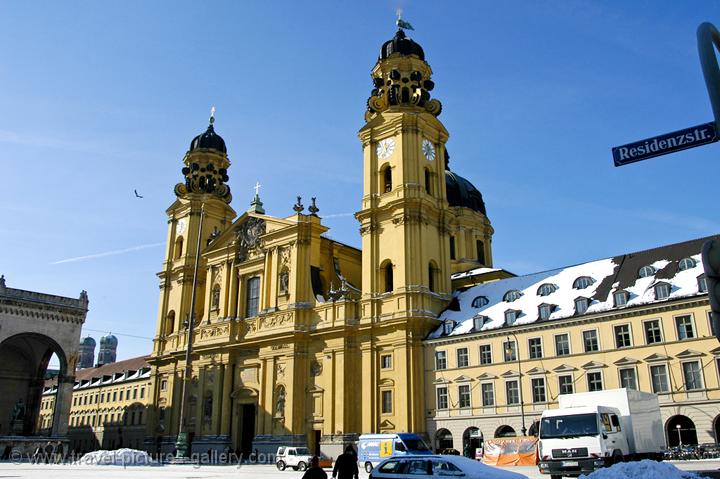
{"points": [[597, 429]]}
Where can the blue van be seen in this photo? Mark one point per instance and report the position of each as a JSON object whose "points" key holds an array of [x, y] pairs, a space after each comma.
{"points": [[375, 448]]}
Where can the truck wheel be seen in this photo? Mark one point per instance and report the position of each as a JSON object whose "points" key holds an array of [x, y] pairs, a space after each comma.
{"points": [[280, 465], [368, 467], [302, 466]]}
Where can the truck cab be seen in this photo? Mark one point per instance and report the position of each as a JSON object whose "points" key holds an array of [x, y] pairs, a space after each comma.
{"points": [[579, 440], [375, 448]]}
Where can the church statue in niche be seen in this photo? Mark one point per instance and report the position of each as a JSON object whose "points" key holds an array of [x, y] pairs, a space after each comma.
{"points": [[280, 401], [215, 303], [284, 281]]}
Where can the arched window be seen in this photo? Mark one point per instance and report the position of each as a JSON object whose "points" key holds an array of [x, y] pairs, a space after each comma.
{"points": [[546, 289], [386, 179], [583, 282], [170, 322], [428, 188], [480, 301], [388, 273], [178, 247], [512, 295], [646, 271], [686, 263]]}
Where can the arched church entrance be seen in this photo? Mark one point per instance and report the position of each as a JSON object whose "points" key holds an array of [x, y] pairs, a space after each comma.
{"points": [[443, 440], [680, 430], [505, 431], [24, 360]]}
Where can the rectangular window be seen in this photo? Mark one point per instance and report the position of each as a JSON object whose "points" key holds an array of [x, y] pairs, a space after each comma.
{"points": [[685, 329], [252, 303], [662, 291], [480, 246], [581, 305], [538, 389], [713, 328], [659, 377], [442, 398], [628, 378], [692, 375], [620, 298], [463, 359], [135, 393], [565, 384], [562, 344], [387, 402], [488, 394], [594, 381], [622, 336], [510, 317], [652, 331], [535, 348], [163, 385], [590, 341], [485, 354], [512, 393], [386, 361], [440, 360], [702, 284], [545, 310], [464, 395], [142, 393], [140, 417], [509, 351], [114, 396], [452, 247]]}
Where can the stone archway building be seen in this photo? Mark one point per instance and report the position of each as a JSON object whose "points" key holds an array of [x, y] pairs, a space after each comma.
{"points": [[33, 327]]}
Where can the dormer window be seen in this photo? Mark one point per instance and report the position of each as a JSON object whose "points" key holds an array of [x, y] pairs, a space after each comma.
{"points": [[686, 263], [581, 305], [620, 298], [479, 322], [702, 284], [480, 301], [545, 310], [662, 291], [511, 316], [512, 295], [583, 282], [448, 326], [546, 289], [646, 271]]}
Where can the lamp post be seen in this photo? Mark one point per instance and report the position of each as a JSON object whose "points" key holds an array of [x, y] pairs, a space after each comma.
{"points": [[509, 351], [678, 427], [182, 445]]}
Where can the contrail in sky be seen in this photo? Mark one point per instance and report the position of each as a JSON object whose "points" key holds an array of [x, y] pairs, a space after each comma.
{"points": [[108, 253]]}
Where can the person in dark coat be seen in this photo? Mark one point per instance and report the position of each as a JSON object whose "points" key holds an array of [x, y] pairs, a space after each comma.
{"points": [[346, 465], [315, 471]]}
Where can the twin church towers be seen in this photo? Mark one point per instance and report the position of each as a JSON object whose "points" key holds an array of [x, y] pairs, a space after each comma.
{"points": [[298, 339]]}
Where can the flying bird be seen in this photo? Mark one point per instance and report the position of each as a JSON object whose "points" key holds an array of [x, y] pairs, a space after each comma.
{"points": [[137, 195]]}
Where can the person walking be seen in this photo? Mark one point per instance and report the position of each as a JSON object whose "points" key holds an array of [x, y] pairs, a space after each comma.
{"points": [[346, 465], [315, 471]]}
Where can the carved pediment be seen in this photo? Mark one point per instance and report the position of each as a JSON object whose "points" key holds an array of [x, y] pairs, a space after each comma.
{"points": [[387, 425], [510, 373], [386, 382], [564, 368], [593, 365], [536, 371], [463, 379], [486, 377], [689, 353], [655, 357], [626, 361], [440, 381]]}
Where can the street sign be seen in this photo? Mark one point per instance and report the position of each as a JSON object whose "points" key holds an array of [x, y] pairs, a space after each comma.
{"points": [[664, 144]]}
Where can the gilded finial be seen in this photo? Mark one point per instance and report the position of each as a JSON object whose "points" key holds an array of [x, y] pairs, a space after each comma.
{"points": [[212, 115], [313, 209], [298, 207]]}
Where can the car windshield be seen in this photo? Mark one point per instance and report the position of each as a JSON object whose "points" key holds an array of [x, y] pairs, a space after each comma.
{"points": [[303, 451], [415, 445], [569, 426]]}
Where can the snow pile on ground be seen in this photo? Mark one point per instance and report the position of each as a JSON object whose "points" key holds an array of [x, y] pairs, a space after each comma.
{"points": [[645, 469], [118, 457]]}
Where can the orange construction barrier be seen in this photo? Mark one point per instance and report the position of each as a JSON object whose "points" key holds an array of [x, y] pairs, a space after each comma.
{"points": [[510, 451]]}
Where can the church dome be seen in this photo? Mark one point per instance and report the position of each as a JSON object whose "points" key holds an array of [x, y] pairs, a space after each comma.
{"points": [[209, 140], [402, 45], [88, 342], [108, 341], [460, 192]]}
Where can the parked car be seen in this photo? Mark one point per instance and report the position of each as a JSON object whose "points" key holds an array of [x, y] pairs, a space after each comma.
{"points": [[296, 457], [418, 467]]}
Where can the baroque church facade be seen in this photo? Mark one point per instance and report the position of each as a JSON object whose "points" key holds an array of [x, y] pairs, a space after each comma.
{"points": [[296, 338]]}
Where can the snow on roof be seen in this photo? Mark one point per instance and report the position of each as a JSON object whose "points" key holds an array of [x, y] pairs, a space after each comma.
{"points": [[473, 272], [608, 276]]}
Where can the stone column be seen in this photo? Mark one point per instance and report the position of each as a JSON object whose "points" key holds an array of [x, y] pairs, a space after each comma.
{"points": [[226, 404], [61, 414]]}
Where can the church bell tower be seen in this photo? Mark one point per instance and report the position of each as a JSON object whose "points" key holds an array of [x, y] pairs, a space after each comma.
{"points": [[404, 227]]}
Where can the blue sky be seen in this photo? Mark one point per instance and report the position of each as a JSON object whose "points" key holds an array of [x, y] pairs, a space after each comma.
{"points": [[101, 98]]}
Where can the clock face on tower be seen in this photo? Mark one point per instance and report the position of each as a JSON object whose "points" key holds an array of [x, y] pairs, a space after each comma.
{"points": [[181, 226], [385, 148], [428, 150]]}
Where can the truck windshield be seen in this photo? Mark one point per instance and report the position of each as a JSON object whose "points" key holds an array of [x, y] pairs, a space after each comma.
{"points": [[303, 451], [569, 426], [415, 445]]}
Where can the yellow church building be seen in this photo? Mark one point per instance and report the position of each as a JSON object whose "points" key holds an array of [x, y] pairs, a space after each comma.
{"points": [[299, 339]]}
